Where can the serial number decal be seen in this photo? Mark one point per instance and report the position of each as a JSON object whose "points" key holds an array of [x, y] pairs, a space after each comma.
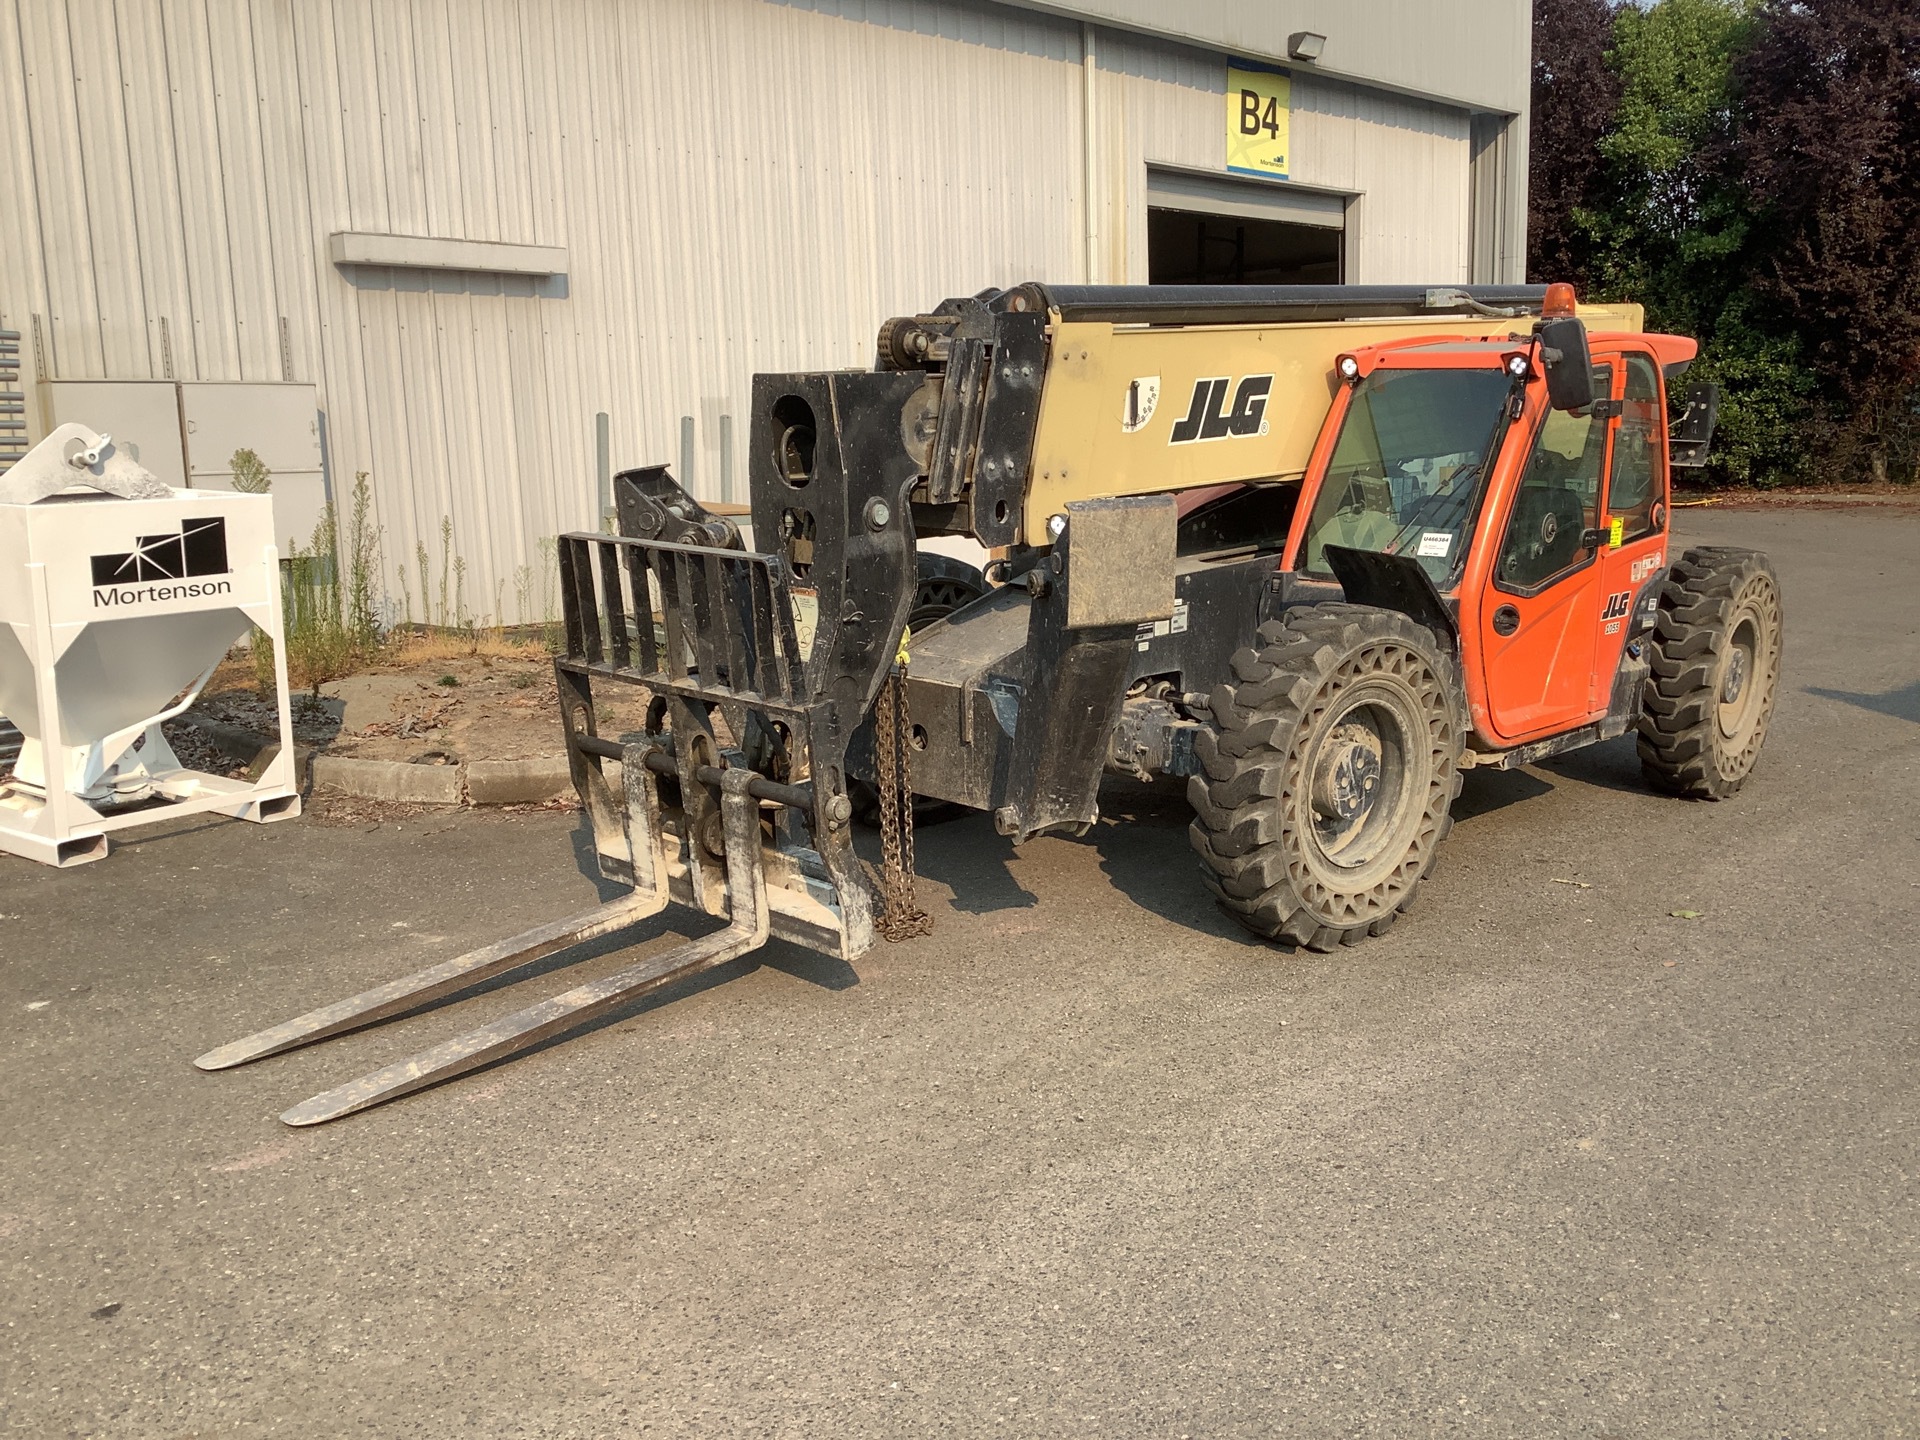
{"points": [[1209, 417], [1146, 633]]}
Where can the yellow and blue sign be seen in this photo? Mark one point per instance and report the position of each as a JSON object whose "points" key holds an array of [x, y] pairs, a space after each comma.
{"points": [[1259, 123]]}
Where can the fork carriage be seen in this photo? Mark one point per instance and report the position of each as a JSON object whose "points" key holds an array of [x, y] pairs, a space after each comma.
{"points": [[732, 797], [725, 694]]}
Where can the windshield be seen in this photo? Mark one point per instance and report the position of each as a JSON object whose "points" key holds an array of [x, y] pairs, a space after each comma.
{"points": [[1406, 472]]}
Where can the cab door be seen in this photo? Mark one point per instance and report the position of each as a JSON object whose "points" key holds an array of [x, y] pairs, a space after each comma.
{"points": [[1541, 615], [1635, 516]]}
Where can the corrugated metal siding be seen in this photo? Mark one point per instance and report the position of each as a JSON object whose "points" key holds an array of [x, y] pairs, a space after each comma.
{"points": [[740, 186], [1406, 161], [1473, 53]]}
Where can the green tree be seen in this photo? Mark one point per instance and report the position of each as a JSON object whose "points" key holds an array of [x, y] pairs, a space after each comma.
{"points": [[1665, 221], [1828, 134], [1671, 224], [1575, 95]]}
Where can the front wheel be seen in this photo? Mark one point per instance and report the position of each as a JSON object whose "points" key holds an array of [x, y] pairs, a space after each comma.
{"points": [[1716, 669], [1328, 775]]}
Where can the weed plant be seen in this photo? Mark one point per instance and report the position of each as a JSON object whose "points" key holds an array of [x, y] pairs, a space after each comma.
{"points": [[332, 627]]}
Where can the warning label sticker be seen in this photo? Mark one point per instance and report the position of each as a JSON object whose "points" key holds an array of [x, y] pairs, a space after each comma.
{"points": [[1144, 635]]}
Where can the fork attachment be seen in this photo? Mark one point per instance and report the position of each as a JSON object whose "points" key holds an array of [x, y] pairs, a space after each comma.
{"points": [[745, 900], [729, 797]]}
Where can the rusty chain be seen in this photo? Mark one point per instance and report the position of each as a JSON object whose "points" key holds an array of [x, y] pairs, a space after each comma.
{"points": [[900, 917]]}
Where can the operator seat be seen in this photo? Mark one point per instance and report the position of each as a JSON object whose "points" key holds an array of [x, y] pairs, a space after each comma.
{"points": [[1365, 520], [1544, 538], [1550, 514]]}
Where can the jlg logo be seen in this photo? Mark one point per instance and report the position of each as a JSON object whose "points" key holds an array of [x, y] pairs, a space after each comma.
{"points": [[1616, 606], [1207, 417]]}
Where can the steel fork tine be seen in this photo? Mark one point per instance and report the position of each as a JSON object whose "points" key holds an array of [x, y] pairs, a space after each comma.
{"points": [[435, 982], [747, 903]]}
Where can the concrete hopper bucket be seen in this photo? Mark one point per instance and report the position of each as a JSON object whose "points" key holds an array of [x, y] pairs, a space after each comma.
{"points": [[118, 598]]}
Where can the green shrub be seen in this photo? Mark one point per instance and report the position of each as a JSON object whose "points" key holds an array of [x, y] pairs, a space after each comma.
{"points": [[250, 474], [332, 629]]}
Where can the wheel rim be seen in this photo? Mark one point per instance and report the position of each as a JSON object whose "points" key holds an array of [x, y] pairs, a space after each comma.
{"points": [[1358, 782], [1744, 685], [1737, 693], [1371, 788]]}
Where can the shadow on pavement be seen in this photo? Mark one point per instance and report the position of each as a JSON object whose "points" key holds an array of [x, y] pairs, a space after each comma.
{"points": [[1484, 791], [1612, 765], [1902, 704], [968, 857], [1142, 843], [586, 859]]}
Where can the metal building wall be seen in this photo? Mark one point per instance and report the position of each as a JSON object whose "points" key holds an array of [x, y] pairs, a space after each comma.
{"points": [[1404, 161], [740, 185], [1475, 54]]}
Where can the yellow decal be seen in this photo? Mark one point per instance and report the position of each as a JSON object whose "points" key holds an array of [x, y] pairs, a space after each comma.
{"points": [[1619, 530], [1259, 112]]}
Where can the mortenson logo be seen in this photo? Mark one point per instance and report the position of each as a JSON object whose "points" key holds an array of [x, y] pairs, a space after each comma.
{"points": [[1208, 417], [200, 549]]}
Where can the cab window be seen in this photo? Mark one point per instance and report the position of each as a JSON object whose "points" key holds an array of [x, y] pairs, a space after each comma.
{"points": [[1559, 497], [1633, 488], [1406, 470]]}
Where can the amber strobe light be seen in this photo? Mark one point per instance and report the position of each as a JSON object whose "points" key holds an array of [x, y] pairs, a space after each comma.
{"points": [[1559, 302]]}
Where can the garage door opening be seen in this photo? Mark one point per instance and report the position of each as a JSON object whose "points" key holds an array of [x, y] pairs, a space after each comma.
{"points": [[1208, 229], [1187, 247]]}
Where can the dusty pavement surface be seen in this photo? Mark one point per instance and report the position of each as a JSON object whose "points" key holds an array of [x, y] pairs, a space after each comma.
{"points": [[1546, 1160]]}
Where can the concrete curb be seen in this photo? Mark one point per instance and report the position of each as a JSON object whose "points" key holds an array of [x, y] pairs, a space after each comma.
{"points": [[391, 780], [478, 782], [517, 782]]}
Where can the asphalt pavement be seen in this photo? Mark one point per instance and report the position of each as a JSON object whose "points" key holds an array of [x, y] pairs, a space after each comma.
{"points": [[1547, 1160]]}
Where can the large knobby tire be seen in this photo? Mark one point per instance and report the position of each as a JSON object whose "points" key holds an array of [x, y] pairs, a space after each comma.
{"points": [[942, 586], [1716, 669], [1328, 775]]}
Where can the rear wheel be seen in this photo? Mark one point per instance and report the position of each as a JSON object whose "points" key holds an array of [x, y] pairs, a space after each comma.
{"points": [[1716, 669], [1329, 774], [944, 585]]}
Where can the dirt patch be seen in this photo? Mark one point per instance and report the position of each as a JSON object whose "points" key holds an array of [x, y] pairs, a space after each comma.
{"points": [[422, 705], [197, 751], [191, 744], [1894, 497], [325, 806]]}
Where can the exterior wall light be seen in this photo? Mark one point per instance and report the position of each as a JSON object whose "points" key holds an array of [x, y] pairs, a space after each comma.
{"points": [[1305, 45]]}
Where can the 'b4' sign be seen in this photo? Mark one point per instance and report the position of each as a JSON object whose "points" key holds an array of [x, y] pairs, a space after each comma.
{"points": [[1259, 104]]}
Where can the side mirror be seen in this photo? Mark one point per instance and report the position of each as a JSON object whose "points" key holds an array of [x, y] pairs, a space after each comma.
{"points": [[1569, 365], [1692, 432]]}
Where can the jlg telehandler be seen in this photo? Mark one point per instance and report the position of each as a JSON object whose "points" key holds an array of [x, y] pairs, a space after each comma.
{"points": [[1316, 549]]}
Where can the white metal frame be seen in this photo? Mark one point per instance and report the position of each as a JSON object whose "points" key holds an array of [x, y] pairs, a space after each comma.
{"points": [[64, 830]]}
